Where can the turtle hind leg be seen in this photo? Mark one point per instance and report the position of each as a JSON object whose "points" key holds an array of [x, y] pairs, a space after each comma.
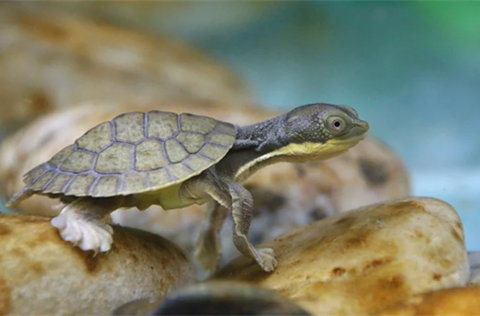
{"points": [[80, 223], [208, 250]]}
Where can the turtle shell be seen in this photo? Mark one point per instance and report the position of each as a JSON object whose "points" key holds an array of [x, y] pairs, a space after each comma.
{"points": [[135, 152]]}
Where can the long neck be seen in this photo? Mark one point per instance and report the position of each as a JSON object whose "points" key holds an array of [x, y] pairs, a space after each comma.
{"points": [[263, 136], [256, 146]]}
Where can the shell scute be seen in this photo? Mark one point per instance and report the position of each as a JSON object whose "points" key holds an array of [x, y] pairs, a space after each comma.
{"points": [[194, 123], [80, 185], [115, 159], [61, 156], [175, 151], [106, 186], [129, 127], [162, 125], [78, 161], [97, 138], [149, 155], [58, 183], [192, 142]]}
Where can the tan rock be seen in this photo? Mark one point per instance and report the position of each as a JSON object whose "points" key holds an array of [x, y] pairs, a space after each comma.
{"points": [[359, 262], [368, 173], [42, 274], [455, 301], [76, 60]]}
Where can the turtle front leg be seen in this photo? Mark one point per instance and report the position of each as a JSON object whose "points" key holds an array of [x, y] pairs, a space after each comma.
{"points": [[208, 250], [242, 211], [235, 197], [80, 223]]}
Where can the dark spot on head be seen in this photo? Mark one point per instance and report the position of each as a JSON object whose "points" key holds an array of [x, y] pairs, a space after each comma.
{"points": [[374, 172], [437, 277], [338, 271], [316, 214], [4, 230]]}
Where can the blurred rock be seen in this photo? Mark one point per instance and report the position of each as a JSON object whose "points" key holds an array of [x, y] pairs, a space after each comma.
{"points": [[42, 274], [56, 60], [198, 20], [368, 173], [215, 298], [456, 301], [474, 262], [362, 261]]}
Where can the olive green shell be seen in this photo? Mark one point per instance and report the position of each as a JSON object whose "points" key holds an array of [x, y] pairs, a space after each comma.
{"points": [[135, 152]]}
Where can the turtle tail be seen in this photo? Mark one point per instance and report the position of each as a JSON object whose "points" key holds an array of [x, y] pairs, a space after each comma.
{"points": [[21, 195]]}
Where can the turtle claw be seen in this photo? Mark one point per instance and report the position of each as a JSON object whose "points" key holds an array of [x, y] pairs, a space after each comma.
{"points": [[266, 259], [87, 234]]}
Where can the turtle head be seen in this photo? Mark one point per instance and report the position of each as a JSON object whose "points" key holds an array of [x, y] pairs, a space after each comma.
{"points": [[320, 130]]}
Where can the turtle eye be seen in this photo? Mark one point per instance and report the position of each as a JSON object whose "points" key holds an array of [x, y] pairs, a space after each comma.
{"points": [[337, 124]]}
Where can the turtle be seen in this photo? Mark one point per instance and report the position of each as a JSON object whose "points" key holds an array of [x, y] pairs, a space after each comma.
{"points": [[139, 159]]}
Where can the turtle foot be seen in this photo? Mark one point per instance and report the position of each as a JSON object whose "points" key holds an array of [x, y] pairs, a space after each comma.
{"points": [[86, 233], [266, 259]]}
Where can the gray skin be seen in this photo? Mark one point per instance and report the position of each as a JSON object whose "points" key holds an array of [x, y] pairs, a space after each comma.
{"points": [[310, 132]]}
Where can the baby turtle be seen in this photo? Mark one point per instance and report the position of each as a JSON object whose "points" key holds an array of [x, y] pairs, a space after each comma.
{"points": [[175, 160]]}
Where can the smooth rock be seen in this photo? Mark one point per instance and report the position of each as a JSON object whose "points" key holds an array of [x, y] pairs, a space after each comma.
{"points": [[368, 173], [77, 60], [455, 301], [216, 298], [42, 274], [361, 261]]}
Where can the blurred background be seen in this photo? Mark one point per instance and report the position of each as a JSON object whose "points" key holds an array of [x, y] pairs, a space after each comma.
{"points": [[411, 69]]}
